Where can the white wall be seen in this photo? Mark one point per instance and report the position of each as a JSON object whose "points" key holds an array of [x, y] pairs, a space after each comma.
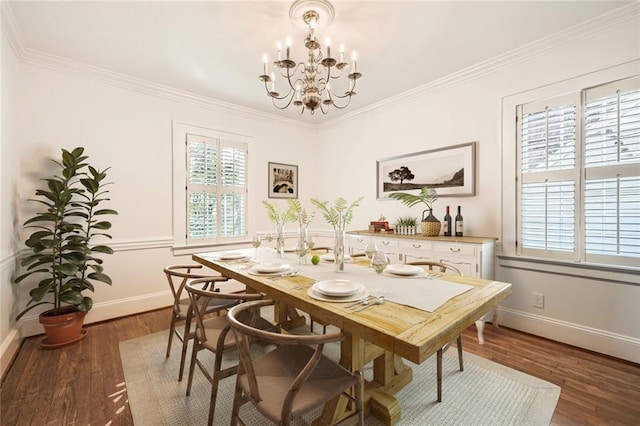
{"points": [[588, 310], [130, 130], [9, 97]]}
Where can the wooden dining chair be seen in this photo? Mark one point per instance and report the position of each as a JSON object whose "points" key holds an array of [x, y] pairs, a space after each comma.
{"points": [[178, 276], [212, 334], [445, 269], [292, 379]]}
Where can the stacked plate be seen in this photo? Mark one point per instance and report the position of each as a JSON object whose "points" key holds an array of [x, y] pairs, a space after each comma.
{"points": [[270, 269], [330, 257], [338, 291], [404, 270], [231, 256]]}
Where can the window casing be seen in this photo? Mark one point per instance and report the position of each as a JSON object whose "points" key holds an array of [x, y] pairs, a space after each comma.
{"points": [[211, 187], [216, 189], [578, 170]]}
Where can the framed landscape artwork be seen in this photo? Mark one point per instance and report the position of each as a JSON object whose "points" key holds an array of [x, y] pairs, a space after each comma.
{"points": [[450, 171], [283, 180]]}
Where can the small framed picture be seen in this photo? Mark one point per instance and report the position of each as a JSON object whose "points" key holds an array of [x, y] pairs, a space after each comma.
{"points": [[283, 180]]}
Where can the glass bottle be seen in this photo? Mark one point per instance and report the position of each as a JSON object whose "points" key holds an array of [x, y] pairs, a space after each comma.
{"points": [[459, 223], [447, 224]]}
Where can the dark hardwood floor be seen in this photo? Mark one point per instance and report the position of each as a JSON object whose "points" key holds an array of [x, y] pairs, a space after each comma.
{"points": [[83, 384]]}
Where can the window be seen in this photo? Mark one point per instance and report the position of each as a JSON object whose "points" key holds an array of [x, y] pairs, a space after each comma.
{"points": [[216, 189], [210, 187], [578, 165]]}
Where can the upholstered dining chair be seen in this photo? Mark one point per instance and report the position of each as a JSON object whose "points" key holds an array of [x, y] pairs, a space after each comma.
{"points": [[292, 379], [178, 276], [445, 269], [212, 334]]}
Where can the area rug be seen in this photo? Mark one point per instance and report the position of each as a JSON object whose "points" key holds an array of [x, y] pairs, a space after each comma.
{"points": [[485, 393]]}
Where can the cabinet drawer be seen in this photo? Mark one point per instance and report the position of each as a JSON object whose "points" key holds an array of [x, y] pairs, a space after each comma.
{"points": [[412, 245], [457, 249], [356, 242]]}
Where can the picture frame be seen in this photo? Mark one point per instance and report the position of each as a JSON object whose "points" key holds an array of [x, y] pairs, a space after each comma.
{"points": [[449, 170], [282, 180]]}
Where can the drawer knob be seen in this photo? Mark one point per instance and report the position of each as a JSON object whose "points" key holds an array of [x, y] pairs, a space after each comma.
{"points": [[385, 243], [416, 245], [454, 250]]}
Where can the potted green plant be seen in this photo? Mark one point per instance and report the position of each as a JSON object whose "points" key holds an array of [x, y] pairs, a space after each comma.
{"points": [[61, 250], [426, 196], [405, 225]]}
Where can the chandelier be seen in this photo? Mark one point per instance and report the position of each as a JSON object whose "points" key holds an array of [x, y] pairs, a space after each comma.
{"points": [[311, 84]]}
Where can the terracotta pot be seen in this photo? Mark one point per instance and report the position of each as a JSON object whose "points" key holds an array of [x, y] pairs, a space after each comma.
{"points": [[62, 329]]}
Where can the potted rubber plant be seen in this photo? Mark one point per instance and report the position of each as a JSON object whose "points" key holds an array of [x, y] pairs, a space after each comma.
{"points": [[61, 251], [427, 196]]}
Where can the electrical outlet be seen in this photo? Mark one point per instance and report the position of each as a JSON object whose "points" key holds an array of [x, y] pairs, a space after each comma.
{"points": [[538, 300]]}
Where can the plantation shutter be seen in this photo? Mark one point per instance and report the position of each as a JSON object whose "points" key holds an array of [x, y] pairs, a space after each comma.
{"points": [[216, 189], [548, 164], [612, 171]]}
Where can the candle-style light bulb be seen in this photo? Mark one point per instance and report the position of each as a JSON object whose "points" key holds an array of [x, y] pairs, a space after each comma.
{"points": [[279, 47], [265, 60], [273, 82], [354, 57], [327, 41], [342, 53]]}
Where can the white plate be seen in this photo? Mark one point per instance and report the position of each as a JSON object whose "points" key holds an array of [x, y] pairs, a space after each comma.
{"points": [[314, 294], [329, 257], [404, 270], [231, 256], [339, 288], [270, 268]]}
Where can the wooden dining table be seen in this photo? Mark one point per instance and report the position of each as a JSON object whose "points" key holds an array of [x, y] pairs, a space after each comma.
{"points": [[385, 334]]}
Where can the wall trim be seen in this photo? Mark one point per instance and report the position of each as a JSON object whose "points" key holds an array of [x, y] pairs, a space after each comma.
{"points": [[587, 29], [593, 339], [8, 350], [29, 325], [42, 59]]}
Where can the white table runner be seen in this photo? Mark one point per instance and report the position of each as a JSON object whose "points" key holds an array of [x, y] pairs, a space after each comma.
{"points": [[417, 292]]}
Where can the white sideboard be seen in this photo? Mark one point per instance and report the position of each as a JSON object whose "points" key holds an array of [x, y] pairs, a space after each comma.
{"points": [[473, 256]]}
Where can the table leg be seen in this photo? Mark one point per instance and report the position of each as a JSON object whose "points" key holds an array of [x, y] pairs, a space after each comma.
{"points": [[390, 374]]}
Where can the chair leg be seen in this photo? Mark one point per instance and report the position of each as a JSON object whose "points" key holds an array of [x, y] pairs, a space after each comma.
{"points": [[172, 328], [185, 344], [235, 411], [459, 341], [439, 373], [192, 364]]}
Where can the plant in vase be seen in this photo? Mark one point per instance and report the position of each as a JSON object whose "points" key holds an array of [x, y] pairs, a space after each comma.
{"points": [[338, 216], [61, 249], [303, 219], [279, 217], [427, 196]]}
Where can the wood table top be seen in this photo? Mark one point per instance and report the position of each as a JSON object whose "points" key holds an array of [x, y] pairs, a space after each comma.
{"points": [[411, 333]]}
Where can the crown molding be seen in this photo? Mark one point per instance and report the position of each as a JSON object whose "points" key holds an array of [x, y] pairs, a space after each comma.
{"points": [[591, 28], [587, 29], [41, 59], [11, 30]]}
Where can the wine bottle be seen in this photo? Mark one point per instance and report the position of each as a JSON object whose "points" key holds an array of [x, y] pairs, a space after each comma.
{"points": [[459, 223], [447, 224]]}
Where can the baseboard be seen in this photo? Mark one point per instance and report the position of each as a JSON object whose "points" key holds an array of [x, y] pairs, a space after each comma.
{"points": [[8, 349], [108, 310], [616, 345]]}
